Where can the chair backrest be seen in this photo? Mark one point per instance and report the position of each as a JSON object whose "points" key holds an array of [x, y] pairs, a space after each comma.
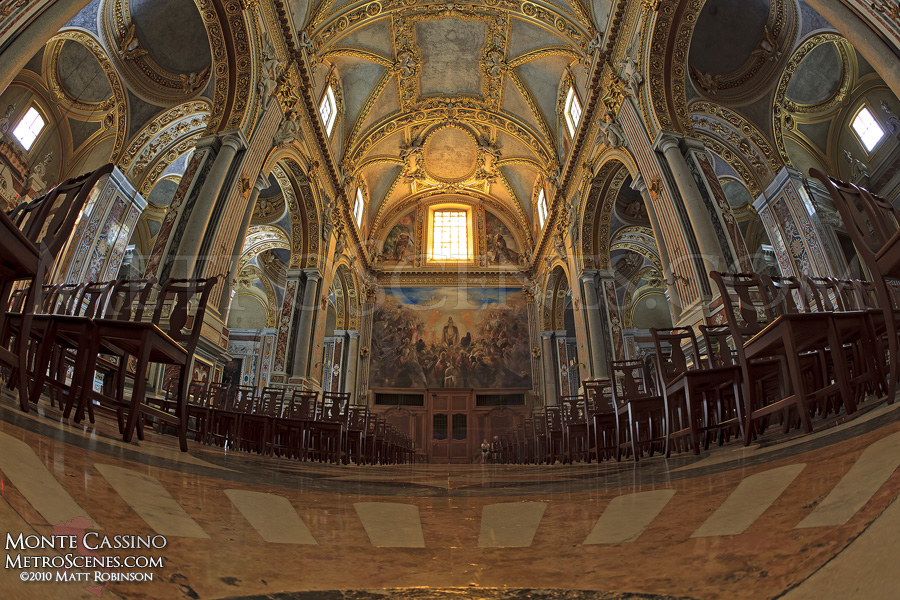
{"points": [[48, 221], [245, 399], [630, 381], [598, 396], [270, 402], [335, 407], [302, 404], [64, 298], [786, 294], [553, 418], [673, 358], [747, 304], [719, 352], [872, 222], [357, 418], [198, 393], [221, 396], [92, 301], [823, 294], [178, 297], [129, 299], [574, 411]]}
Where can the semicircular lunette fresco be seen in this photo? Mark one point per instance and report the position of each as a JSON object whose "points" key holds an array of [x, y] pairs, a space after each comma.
{"points": [[451, 337]]}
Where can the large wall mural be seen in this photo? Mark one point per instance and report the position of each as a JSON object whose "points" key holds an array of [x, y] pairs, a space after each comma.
{"points": [[451, 337]]}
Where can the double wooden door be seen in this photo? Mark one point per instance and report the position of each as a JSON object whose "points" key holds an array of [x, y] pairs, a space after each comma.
{"points": [[449, 427]]}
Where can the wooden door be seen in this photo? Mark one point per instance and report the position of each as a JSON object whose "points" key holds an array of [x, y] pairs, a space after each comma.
{"points": [[449, 420]]}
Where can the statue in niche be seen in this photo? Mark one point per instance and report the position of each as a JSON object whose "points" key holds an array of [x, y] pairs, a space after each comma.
{"points": [[611, 131], [859, 173], [288, 132], [129, 46], [4, 120]]}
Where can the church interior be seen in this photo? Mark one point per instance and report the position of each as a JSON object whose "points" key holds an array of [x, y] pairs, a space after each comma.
{"points": [[430, 299]]}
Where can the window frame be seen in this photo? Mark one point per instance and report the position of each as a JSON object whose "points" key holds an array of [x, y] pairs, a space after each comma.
{"points": [[359, 207], [884, 134], [328, 98], [44, 123], [470, 234], [542, 209], [571, 123]]}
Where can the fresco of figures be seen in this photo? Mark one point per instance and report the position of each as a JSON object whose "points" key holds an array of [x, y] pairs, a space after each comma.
{"points": [[501, 245], [451, 337], [400, 242]]}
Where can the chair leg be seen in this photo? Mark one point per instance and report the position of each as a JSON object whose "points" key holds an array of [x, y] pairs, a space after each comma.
{"points": [[137, 396]]}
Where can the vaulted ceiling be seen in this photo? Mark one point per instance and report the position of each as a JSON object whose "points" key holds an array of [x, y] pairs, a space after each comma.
{"points": [[441, 98]]}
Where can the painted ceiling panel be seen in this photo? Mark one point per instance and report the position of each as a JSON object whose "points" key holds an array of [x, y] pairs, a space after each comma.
{"points": [[450, 50], [379, 178], [515, 104], [357, 79], [388, 103], [543, 77], [375, 37], [525, 37], [522, 179]]}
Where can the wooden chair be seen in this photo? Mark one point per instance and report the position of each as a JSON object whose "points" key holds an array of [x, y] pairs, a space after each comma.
{"points": [[695, 392], [553, 434], [640, 409], [356, 434], [291, 431], [330, 427], [765, 322], [874, 226], [33, 236], [855, 331], [254, 427], [148, 342], [575, 428], [70, 323], [603, 434]]}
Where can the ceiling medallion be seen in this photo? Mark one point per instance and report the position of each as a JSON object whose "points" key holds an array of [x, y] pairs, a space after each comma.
{"points": [[451, 154]]}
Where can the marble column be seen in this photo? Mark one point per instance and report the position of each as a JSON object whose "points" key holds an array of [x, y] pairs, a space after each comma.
{"points": [[287, 324], [640, 186], [189, 259], [863, 38], [352, 361], [261, 184], [548, 358], [304, 331], [698, 215], [787, 211], [592, 308], [24, 43]]}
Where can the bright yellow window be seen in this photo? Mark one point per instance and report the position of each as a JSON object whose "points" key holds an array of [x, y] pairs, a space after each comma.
{"points": [[450, 234]]}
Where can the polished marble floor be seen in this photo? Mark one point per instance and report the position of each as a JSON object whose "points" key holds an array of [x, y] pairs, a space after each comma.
{"points": [[792, 517]]}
